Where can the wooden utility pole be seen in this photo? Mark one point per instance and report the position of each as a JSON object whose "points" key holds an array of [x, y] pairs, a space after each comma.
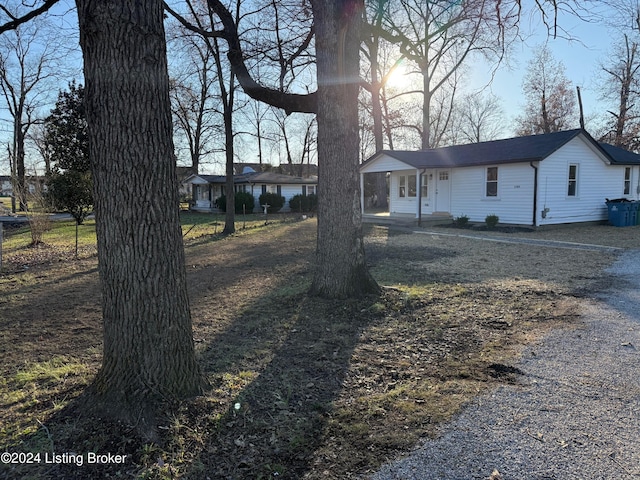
{"points": [[581, 110]]}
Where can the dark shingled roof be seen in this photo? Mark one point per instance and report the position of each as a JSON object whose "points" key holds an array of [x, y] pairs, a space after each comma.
{"points": [[620, 156], [274, 178], [511, 150], [262, 178]]}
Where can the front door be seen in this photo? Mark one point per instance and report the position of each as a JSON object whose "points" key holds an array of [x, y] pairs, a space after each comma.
{"points": [[443, 191]]}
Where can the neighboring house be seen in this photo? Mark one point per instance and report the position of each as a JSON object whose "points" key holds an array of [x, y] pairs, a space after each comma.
{"points": [[184, 173], [208, 188], [555, 178], [6, 187]]}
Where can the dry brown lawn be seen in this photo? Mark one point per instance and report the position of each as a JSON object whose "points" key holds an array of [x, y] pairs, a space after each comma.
{"points": [[302, 387]]}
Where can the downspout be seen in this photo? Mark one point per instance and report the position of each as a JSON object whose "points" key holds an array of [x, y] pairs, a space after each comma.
{"points": [[535, 194], [420, 174]]}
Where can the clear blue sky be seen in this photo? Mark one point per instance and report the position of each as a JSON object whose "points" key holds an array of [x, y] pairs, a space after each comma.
{"points": [[582, 57]]}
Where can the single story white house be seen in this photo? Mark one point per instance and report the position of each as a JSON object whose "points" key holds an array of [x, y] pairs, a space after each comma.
{"points": [[554, 178], [206, 189]]}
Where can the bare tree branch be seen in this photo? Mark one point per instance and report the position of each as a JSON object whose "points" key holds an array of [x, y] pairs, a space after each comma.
{"points": [[289, 102], [17, 21]]}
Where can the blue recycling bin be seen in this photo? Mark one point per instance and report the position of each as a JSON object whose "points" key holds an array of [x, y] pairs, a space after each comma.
{"points": [[619, 213]]}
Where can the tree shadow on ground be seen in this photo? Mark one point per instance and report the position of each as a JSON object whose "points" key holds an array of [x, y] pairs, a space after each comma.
{"points": [[273, 425]]}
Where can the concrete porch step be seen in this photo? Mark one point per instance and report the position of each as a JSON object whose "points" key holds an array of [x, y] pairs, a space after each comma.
{"points": [[404, 220]]}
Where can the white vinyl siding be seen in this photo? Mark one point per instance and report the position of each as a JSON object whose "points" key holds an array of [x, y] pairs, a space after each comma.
{"points": [[384, 163], [399, 203], [596, 180], [514, 205]]}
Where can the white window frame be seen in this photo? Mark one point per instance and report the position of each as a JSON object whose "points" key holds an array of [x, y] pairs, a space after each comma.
{"points": [[488, 181], [412, 187], [627, 181], [573, 193]]}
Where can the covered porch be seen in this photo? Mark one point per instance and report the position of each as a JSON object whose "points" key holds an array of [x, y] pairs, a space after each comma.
{"points": [[418, 194]]}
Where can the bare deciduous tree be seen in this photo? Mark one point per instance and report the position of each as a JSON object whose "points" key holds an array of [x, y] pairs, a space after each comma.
{"points": [[550, 97], [481, 118], [621, 86], [439, 37], [341, 269], [26, 64], [193, 96]]}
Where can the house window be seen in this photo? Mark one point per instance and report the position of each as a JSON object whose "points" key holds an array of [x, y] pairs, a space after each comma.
{"points": [[402, 189], [412, 187], [444, 175], [572, 189], [311, 189], [425, 187], [492, 182], [272, 188], [627, 180]]}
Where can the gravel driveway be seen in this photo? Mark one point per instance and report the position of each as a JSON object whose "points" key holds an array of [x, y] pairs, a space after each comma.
{"points": [[574, 414]]}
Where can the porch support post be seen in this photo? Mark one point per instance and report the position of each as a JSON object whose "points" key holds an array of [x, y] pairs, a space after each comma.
{"points": [[361, 194]]}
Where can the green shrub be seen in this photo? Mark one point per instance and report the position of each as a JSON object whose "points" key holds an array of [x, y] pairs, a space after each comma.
{"points": [[303, 203], [461, 221], [491, 220], [242, 199], [275, 201]]}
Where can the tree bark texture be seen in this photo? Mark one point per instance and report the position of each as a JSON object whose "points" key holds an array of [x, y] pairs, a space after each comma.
{"points": [[148, 345], [341, 269]]}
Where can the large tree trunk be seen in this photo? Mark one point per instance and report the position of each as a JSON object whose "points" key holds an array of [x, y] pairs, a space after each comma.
{"points": [[380, 179], [148, 345], [341, 269], [230, 214], [22, 189]]}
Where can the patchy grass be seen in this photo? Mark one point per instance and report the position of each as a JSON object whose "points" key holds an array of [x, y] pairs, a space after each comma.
{"points": [[38, 389], [196, 225], [61, 235], [301, 387]]}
